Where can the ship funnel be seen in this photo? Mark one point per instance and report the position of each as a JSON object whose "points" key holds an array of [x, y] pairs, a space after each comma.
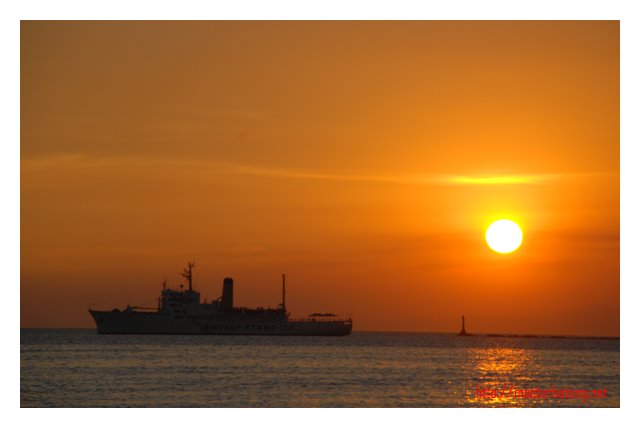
{"points": [[227, 294]]}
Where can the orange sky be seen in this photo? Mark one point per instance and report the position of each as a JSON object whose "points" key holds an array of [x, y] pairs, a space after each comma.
{"points": [[364, 159]]}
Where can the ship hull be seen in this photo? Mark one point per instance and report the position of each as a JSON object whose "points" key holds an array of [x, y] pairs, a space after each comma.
{"points": [[120, 322]]}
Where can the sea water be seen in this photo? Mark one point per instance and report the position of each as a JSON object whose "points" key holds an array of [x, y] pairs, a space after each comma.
{"points": [[80, 368]]}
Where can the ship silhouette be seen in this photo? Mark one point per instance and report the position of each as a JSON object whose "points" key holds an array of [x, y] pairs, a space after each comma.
{"points": [[181, 312]]}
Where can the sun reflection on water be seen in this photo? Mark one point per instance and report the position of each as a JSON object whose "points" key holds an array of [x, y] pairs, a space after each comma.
{"points": [[495, 373]]}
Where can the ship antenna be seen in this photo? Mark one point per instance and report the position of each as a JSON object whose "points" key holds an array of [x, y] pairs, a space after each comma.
{"points": [[283, 294], [187, 274]]}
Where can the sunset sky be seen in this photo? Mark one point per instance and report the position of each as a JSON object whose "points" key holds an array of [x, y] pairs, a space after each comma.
{"points": [[363, 159]]}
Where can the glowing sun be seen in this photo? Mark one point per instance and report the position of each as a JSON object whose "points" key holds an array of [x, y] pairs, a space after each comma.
{"points": [[504, 236]]}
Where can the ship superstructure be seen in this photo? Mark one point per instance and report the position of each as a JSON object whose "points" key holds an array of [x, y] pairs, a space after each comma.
{"points": [[181, 312]]}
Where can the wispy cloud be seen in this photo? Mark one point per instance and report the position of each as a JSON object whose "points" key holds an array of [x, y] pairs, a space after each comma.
{"points": [[236, 169], [415, 179], [314, 175], [501, 179]]}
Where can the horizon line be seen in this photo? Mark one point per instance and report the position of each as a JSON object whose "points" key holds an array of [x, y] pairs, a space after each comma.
{"points": [[454, 333]]}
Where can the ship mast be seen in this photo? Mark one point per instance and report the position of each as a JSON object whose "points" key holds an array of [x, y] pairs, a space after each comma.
{"points": [[283, 295], [187, 274]]}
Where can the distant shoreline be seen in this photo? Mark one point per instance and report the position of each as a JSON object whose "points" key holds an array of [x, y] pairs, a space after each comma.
{"points": [[554, 336], [505, 335]]}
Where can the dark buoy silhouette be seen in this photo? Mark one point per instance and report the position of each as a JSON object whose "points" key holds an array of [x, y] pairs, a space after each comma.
{"points": [[463, 332]]}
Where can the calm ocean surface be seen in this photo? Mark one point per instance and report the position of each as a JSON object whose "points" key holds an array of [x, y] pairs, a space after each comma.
{"points": [[79, 368]]}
